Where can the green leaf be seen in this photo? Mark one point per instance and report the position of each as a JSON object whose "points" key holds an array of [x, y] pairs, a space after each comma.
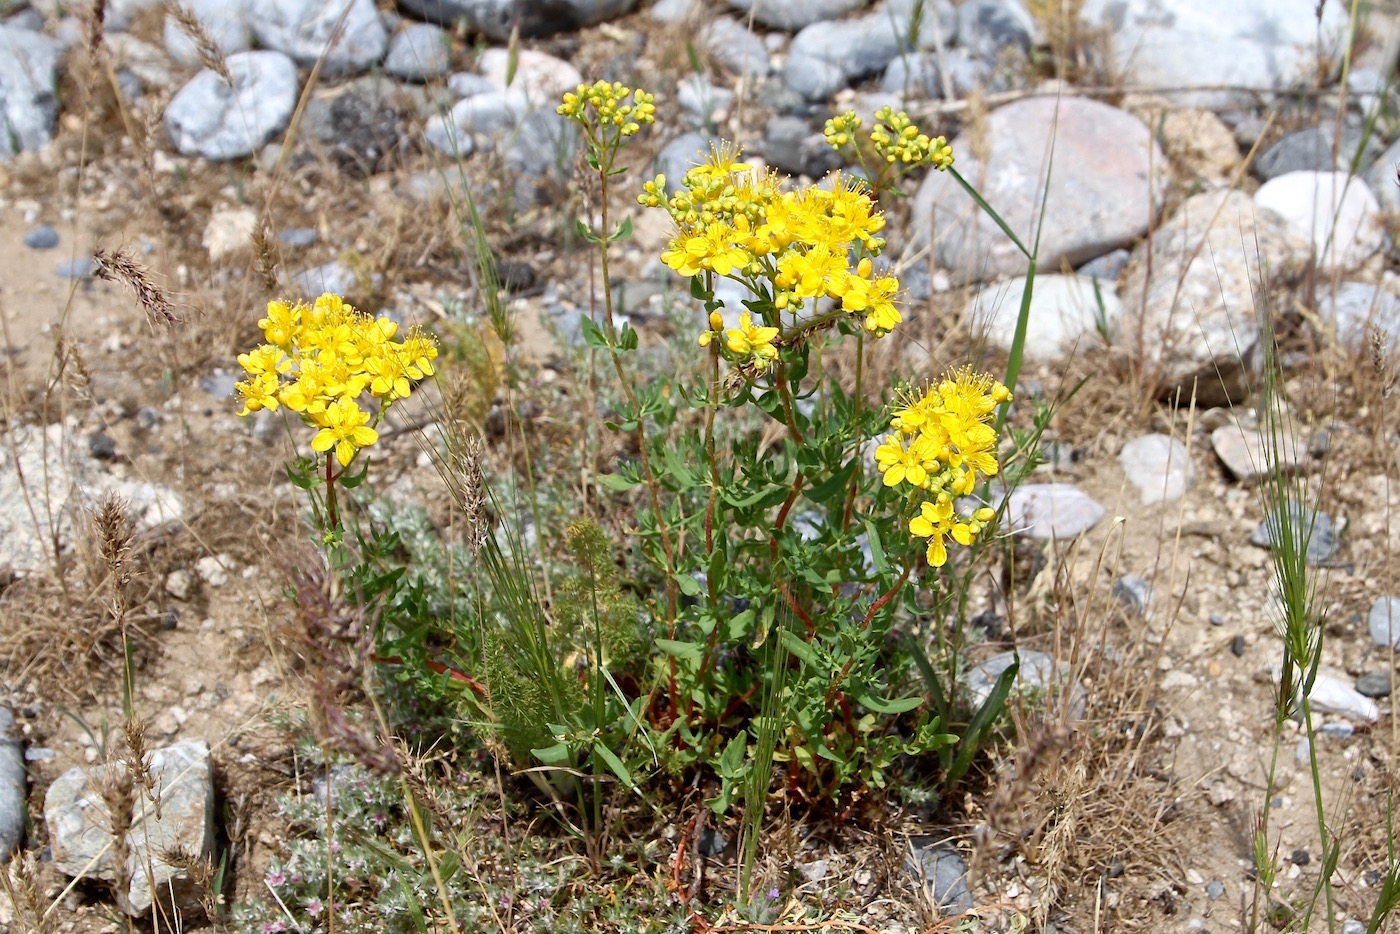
{"points": [[880, 705], [731, 761], [628, 341], [688, 585], [982, 722], [613, 763], [799, 648], [616, 481], [557, 754], [877, 548], [593, 335], [349, 481], [302, 481], [836, 483], [586, 232], [623, 231], [688, 651], [697, 289]]}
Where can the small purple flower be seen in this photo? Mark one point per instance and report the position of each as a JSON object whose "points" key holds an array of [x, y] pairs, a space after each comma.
{"points": [[335, 847], [273, 927], [379, 819], [505, 902], [277, 878], [313, 907], [774, 894]]}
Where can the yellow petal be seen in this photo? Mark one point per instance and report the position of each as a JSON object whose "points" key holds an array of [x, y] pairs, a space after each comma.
{"points": [[920, 527], [324, 441], [937, 554], [345, 453]]}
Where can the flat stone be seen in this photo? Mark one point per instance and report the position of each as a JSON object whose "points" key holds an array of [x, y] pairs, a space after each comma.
{"points": [[1383, 621], [208, 119], [1316, 528], [303, 29], [1064, 317], [229, 233], [1198, 320], [467, 83], [1339, 214], [1198, 139], [1375, 684], [28, 79], [1037, 673], [734, 48], [942, 873], [792, 15], [224, 22], [1159, 466], [1099, 196], [496, 18], [1188, 50], [1243, 452], [42, 237], [418, 52], [1310, 150], [702, 101], [1331, 694], [987, 26], [1052, 510], [1354, 309], [78, 821], [12, 786]]}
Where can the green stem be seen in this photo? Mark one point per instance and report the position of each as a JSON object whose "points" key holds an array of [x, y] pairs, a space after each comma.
{"points": [[1306, 707]]}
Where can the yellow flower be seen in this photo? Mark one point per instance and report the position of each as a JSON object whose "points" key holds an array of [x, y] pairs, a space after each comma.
{"points": [[933, 523], [750, 340], [282, 323], [258, 391], [345, 427], [901, 464], [264, 359]]}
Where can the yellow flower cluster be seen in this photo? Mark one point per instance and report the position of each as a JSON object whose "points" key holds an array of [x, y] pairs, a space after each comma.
{"points": [[895, 137], [941, 443], [320, 359], [795, 246], [608, 105]]}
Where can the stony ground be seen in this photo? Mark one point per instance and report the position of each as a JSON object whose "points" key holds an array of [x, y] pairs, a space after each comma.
{"points": [[1181, 172]]}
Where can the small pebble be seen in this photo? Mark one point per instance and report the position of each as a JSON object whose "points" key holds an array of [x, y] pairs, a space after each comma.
{"points": [[171, 620], [42, 237], [75, 269], [102, 447], [1217, 620], [1237, 646], [1300, 858], [299, 237], [1374, 684], [1214, 889]]}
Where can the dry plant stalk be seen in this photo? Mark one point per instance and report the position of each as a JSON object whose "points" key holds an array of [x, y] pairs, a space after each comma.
{"points": [[115, 788], [265, 258], [119, 266], [210, 56], [72, 368], [199, 870], [19, 882]]}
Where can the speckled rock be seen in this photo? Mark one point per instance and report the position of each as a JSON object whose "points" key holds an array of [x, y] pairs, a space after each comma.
{"points": [[1159, 466], [419, 52], [1310, 530], [208, 119], [77, 820], [223, 21], [12, 785], [1099, 194], [731, 45], [1198, 324], [28, 105], [544, 77], [1245, 454], [827, 56]]}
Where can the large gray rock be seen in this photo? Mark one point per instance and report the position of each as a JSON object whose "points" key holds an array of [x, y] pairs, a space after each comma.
{"points": [[1192, 48], [918, 74], [1312, 532], [303, 29], [941, 872], [826, 56], [1247, 454], [1099, 195], [985, 27], [207, 118], [791, 145], [79, 823], [1159, 466], [1065, 315], [1355, 308], [793, 15], [419, 52], [1312, 150], [224, 22], [1337, 211], [28, 105], [542, 76], [1052, 510], [734, 48], [1197, 325], [1038, 673], [12, 809], [496, 18]]}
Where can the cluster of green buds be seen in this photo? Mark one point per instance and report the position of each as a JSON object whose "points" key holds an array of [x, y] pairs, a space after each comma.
{"points": [[894, 137], [610, 110]]}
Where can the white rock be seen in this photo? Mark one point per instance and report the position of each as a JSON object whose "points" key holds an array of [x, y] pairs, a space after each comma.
{"points": [[419, 52], [12, 787], [1159, 466], [229, 233], [1064, 316], [541, 76], [1034, 674], [1338, 214], [1330, 694], [28, 105], [1384, 622], [214, 569], [1247, 455], [1352, 311], [1052, 510], [208, 119], [78, 821], [179, 584], [303, 29]]}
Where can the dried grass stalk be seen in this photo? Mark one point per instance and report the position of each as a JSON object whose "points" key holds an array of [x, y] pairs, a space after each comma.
{"points": [[119, 266]]}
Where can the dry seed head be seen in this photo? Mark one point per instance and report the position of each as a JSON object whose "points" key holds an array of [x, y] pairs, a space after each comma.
{"points": [[119, 266], [1380, 347], [72, 366], [210, 56], [265, 260], [109, 522]]}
